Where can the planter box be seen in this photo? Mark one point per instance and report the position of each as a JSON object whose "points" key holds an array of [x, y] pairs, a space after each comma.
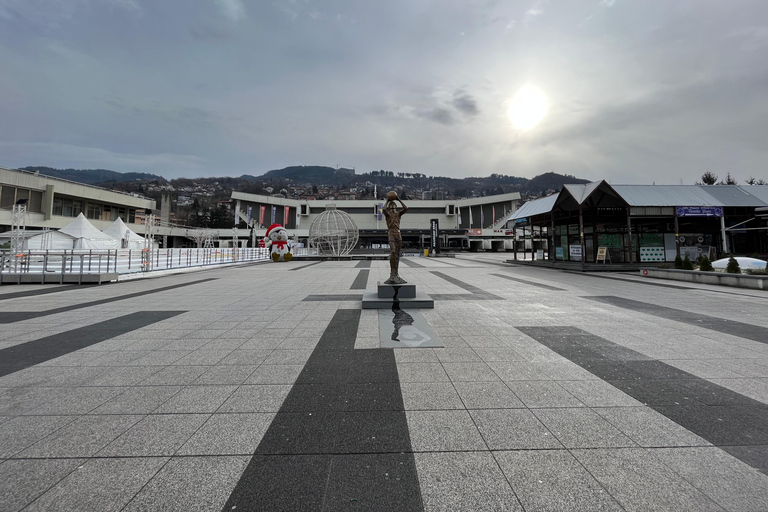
{"points": [[718, 278]]}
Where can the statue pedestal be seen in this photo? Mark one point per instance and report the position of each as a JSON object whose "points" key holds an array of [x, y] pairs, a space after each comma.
{"points": [[404, 296]]}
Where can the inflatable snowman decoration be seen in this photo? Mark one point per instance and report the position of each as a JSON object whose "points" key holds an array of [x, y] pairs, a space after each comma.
{"points": [[277, 242]]}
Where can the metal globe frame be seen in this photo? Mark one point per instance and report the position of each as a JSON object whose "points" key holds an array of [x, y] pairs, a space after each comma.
{"points": [[333, 232]]}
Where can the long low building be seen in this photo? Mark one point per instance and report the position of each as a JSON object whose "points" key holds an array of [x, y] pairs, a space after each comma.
{"points": [[475, 223], [648, 223], [53, 203]]}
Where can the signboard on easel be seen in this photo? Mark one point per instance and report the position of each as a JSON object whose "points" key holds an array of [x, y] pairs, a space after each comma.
{"points": [[602, 254]]}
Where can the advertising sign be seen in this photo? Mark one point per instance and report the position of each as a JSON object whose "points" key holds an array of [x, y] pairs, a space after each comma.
{"points": [[285, 215], [475, 232], [601, 253], [699, 211], [261, 215], [575, 252], [434, 229], [559, 253]]}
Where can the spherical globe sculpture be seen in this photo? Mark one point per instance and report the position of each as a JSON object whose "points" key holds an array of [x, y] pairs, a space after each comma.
{"points": [[333, 232]]}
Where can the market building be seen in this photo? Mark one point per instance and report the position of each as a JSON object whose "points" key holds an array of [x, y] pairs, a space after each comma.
{"points": [[647, 223]]}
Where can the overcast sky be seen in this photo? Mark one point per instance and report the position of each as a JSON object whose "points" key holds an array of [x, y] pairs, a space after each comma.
{"points": [[637, 90]]}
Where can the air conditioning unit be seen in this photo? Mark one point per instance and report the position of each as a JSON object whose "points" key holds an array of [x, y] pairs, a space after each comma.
{"points": [[450, 209], [304, 209]]}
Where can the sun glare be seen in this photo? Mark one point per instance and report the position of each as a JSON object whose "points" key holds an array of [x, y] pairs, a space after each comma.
{"points": [[527, 108]]}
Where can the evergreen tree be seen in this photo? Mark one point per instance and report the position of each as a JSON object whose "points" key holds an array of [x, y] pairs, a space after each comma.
{"points": [[733, 266], [687, 265], [705, 265], [678, 262]]}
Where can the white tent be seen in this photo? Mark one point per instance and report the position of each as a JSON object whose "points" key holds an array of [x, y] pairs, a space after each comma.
{"points": [[118, 229], [87, 236], [39, 240]]}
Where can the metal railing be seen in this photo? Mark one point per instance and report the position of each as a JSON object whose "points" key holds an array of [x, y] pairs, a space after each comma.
{"points": [[53, 264]]}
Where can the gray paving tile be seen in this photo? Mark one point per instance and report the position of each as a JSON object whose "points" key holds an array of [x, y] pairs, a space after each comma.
{"points": [[246, 357], [422, 355], [21, 431], [598, 393], [470, 482], [430, 396], [513, 429], [281, 356], [456, 355], [275, 374], [202, 357], [23, 481], [498, 354], [82, 438], [156, 435], [649, 428], [22, 400], [100, 485], [553, 480], [582, 428], [175, 375], [487, 395], [77, 401], [138, 400], [226, 374], [196, 399], [443, 431], [640, 481], [470, 372], [421, 372], [228, 434], [539, 393], [256, 398], [124, 376], [190, 483], [516, 371], [731, 483]]}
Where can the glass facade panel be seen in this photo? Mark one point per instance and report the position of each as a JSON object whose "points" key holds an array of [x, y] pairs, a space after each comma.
{"points": [[35, 201], [7, 196], [57, 206]]}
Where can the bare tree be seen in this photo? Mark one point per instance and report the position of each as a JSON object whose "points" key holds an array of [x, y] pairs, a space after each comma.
{"points": [[198, 235]]}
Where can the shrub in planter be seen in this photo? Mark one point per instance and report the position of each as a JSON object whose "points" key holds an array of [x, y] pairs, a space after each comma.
{"points": [[678, 262], [687, 265], [733, 266], [705, 264]]}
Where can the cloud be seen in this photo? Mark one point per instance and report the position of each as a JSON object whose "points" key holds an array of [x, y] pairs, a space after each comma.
{"points": [[438, 115], [234, 10], [465, 103], [608, 3]]}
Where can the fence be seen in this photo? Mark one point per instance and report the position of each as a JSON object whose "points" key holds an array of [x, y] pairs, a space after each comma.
{"points": [[125, 261]]}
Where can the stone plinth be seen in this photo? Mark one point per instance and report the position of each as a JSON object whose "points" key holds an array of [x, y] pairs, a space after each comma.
{"points": [[399, 291], [404, 296]]}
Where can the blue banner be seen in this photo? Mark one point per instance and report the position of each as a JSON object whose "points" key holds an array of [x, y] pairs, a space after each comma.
{"points": [[699, 211]]}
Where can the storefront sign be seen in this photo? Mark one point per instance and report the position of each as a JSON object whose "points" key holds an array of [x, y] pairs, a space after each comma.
{"points": [[523, 220], [575, 252], [475, 232], [434, 229], [699, 211], [559, 253]]}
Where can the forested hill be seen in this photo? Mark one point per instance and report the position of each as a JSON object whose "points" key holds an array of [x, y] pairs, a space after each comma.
{"points": [[94, 176]]}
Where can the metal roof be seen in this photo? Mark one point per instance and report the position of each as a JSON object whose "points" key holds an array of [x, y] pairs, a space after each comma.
{"points": [[731, 195], [535, 207], [581, 192], [666, 195], [759, 191]]}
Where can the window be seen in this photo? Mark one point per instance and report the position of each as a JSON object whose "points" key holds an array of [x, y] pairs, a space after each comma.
{"points": [[122, 214], [7, 196], [66, 209], [94, 211], [22, 193], [35, 201], [131, 216], [57, 206], [77, 208]]}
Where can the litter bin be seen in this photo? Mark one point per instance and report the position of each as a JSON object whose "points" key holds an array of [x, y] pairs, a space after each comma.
{"points": [[426, 253]]}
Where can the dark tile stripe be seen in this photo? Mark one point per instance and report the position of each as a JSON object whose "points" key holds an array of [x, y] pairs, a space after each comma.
{"points": [[7, 318], [363, 264], [48, 289], [361, 281], [723, 417], [410, 263], [334, 298], [476, 292], [532, 283], [305, 266], [340, 440], [24, 355], [740, 329]]}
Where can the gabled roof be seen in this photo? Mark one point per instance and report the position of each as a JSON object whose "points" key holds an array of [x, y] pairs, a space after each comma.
{"points": [[535, 207], [666, 195], [732, 195], [582, 192]]}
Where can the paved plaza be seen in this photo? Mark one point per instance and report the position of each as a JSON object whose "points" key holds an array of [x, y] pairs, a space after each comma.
{"points": [[264, 387]]}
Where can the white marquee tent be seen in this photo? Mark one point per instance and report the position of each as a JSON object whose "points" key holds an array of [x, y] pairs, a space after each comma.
{"points": [[87, 236], [118, 229]]}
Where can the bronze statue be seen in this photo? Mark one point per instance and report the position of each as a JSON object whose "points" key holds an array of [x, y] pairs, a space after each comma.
{"points": [[392, 215]]}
